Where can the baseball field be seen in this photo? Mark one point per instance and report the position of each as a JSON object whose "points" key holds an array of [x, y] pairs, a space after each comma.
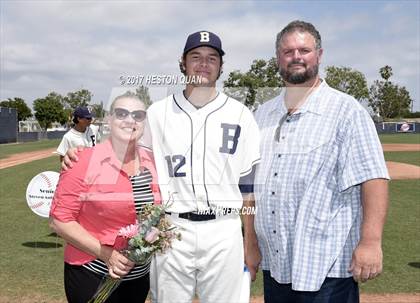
{"points": [[31, 256]]}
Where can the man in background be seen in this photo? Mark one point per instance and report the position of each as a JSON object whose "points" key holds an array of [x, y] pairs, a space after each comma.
{"points": [[81, 134]]}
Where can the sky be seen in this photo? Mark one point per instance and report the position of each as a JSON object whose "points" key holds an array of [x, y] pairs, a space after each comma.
{"points": [[65, 46]]}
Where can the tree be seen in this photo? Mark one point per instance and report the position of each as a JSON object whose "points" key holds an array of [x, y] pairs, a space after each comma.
{"points": [[23, 110], [68, 112], [78, 98], [386, 72], [98, 110], [49, 109], [259, 84], [389, 99], [142, 92], [347, 80]]}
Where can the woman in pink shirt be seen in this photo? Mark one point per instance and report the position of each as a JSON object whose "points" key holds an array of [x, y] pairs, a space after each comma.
{"points": [[103, 192]]}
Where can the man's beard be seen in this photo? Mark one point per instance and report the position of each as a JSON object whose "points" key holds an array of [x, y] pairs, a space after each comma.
{"points": [[299, 77]]}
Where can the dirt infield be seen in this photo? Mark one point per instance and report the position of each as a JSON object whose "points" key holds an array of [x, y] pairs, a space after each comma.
{"points": [[21, 158], [390, 298], [403, 171], [397, 170], [400, 147]]}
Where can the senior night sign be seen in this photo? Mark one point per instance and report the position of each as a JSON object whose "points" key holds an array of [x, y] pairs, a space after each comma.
{"points": [[40, 192]]}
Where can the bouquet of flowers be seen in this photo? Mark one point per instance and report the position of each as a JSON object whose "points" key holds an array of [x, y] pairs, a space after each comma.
{"points": [[152, 233]]}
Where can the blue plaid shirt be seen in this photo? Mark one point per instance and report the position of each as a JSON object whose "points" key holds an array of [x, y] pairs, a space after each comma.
{"points": [[307, 186]]}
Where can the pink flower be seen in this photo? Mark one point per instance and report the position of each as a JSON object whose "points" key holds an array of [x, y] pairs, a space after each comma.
{"points": [[129, 231], [152, 235], [170, 235]]}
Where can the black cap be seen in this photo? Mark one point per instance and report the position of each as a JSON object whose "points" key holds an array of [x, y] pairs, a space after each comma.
{"points": [[203, 38], [82, 112]]}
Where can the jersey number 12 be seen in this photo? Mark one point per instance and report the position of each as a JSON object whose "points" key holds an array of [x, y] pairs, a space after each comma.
{"points": [[174, 164]]}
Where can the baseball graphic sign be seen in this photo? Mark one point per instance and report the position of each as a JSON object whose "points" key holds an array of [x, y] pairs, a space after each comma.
{"points": [[40, 192], [405, 127]]}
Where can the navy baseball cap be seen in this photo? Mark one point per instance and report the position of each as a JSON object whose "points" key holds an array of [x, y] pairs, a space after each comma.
{"points": [[82, 112], [203, 38]]}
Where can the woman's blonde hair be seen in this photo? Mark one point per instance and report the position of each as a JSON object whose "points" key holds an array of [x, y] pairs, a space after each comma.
{"points": [[127, 94]]}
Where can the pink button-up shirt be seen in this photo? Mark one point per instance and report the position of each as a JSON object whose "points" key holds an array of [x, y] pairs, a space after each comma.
{"points": [[98, 195]]}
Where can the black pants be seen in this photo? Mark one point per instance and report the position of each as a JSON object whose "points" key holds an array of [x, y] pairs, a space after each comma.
{"points": [[81, 284], [333, 290]]}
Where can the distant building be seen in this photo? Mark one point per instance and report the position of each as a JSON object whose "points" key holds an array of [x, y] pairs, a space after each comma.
{"points": [[30, 125]]}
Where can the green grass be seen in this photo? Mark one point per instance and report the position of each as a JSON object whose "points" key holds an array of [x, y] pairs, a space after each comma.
{"points": [[401, 243], [26, 267], [400, 138], [9, 149], [257, 288], [410, 157], [35, 270]]}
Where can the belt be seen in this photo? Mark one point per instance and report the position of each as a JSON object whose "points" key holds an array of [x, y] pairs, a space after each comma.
{"points": [[193, 216]]}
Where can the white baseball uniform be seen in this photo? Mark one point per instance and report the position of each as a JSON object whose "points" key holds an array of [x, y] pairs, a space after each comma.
{"points": [[200, 155], [74, 138]]}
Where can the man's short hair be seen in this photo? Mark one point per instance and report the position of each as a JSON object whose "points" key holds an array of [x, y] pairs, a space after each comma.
{"points": [[299, 26]]}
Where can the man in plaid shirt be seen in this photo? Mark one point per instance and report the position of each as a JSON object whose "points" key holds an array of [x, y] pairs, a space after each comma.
{"points": [[321, 189]]}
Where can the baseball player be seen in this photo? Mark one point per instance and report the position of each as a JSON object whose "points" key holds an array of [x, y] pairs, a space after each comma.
{"points": [[81, 134], [204, 143]]}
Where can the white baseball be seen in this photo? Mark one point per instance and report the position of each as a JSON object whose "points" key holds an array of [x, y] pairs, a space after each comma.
{"points": [[40, 192]]}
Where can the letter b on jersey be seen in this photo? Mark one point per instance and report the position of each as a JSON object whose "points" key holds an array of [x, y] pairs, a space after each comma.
{"points": [[231, 133]]}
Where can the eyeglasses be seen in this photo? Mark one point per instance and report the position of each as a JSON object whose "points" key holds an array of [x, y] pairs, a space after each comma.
{"points": [[122, 114]]}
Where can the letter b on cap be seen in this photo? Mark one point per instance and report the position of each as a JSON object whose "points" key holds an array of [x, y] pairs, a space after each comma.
{"points": [[204, 37]]}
